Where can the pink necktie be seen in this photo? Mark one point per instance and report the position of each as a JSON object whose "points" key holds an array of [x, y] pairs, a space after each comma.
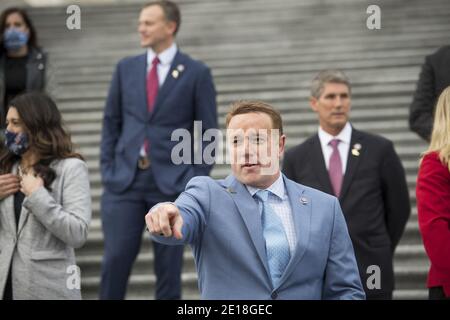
{"points": [[335, 168], [152, 92], [152, 84]]}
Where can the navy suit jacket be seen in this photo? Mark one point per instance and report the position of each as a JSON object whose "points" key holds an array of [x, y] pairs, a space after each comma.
{"points": [[190, 96], [222, 223]]}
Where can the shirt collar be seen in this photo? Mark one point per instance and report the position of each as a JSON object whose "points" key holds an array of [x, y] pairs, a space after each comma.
{"points": [[277, 188], [165, 58], [344, 136]]}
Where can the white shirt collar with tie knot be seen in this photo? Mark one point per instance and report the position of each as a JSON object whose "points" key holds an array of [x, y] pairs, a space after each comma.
{"points": [[165, 58], [277, 188]]}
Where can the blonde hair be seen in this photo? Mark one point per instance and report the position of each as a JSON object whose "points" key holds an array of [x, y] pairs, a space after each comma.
{"points": [[440, 137], [250, 106]]}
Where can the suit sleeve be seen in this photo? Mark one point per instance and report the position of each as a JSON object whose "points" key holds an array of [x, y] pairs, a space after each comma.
{"points": [[421, 109], [395, 195], [206, 112], [112, 123], [342, 280], [194, 205], [433, 205]]}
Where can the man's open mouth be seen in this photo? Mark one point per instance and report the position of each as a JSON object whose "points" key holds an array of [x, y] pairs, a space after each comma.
{"points": [[250, 165]]}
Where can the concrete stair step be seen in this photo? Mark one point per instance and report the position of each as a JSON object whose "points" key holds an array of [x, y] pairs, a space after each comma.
{"points": [[256, 49], [91, 265], [410, 294], [141, 286]]}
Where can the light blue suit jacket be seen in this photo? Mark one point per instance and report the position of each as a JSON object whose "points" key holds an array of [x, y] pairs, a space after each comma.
{"points": [[222, 223]]}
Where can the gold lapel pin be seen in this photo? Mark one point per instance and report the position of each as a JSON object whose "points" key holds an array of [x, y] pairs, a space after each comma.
{"points": [[180, 68], [356, 148], [175, 73], [230, 190]]}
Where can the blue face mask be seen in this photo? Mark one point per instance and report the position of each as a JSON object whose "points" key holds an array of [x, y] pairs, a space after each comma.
{"points": [[14, 39], [17, 143]]}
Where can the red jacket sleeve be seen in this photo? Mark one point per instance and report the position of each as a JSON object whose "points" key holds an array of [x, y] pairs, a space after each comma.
{"points": [[433, 205]]}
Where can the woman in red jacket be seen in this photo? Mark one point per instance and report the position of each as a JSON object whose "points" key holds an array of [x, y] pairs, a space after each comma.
{"points": [[433, 200]]}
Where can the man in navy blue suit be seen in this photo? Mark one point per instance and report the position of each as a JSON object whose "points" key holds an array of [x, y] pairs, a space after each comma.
{"points": [[151, 95]]}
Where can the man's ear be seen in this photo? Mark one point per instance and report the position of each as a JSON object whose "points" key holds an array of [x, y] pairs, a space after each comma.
{"points": [[172, 26], [313, 103], [282, 144]]}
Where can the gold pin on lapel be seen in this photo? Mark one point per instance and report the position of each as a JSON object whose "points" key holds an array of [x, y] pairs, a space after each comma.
{"points": [[356, 148], [180, 67], [176, 72], [230, 190]]}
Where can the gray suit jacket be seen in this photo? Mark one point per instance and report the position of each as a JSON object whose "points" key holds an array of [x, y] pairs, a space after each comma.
{"points": [[51, 225]]}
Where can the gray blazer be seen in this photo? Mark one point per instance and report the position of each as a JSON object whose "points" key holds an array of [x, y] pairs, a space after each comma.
{"points": [[41, 250]]}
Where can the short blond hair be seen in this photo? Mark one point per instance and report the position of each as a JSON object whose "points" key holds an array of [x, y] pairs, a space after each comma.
{"points": [[250, 106]]}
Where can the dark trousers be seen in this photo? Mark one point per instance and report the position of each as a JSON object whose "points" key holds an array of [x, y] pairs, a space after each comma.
{"points": [[437, 293], [123, 221]]}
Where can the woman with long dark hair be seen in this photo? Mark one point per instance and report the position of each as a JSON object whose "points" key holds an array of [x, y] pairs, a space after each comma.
{"points": [[45, 203]]}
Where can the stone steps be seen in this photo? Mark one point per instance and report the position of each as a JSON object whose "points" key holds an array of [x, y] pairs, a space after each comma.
{"points": [[259, 49]]}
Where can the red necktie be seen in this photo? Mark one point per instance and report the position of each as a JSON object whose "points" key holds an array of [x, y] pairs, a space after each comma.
{"points": [[152, 84], [152, 92], [335, 168]]}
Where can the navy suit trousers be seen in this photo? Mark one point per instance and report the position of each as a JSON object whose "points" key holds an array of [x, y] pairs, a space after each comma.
{"points": [[123, 222]]}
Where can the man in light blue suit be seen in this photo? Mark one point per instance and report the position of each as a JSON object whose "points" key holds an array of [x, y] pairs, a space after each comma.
{"points": [[257, 234], [151, 96]]}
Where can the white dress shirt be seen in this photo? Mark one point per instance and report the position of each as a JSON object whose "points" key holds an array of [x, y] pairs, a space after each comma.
{"points": [[165, 61], [344, 136], [279, 202]]}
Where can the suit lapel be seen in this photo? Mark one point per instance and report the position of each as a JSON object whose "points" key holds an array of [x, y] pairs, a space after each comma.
{"points": [[169, 82], [353, 161], [140, 71], [24, 213], [301, 212], [7, 209], [7, 206], [249, 211], [319, 166]]}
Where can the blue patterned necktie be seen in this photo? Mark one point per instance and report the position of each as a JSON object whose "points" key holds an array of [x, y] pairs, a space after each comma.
{"points": [[277, 246]]}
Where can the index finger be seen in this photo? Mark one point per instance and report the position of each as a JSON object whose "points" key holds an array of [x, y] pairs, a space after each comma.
{"points": [[8, 177]]}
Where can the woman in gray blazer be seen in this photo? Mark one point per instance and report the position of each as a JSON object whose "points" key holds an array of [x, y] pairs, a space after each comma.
{"points": [[45, 204]]}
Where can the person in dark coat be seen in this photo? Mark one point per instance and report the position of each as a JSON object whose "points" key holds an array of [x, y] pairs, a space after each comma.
{"points": [[434, 78], [364, 172]]}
